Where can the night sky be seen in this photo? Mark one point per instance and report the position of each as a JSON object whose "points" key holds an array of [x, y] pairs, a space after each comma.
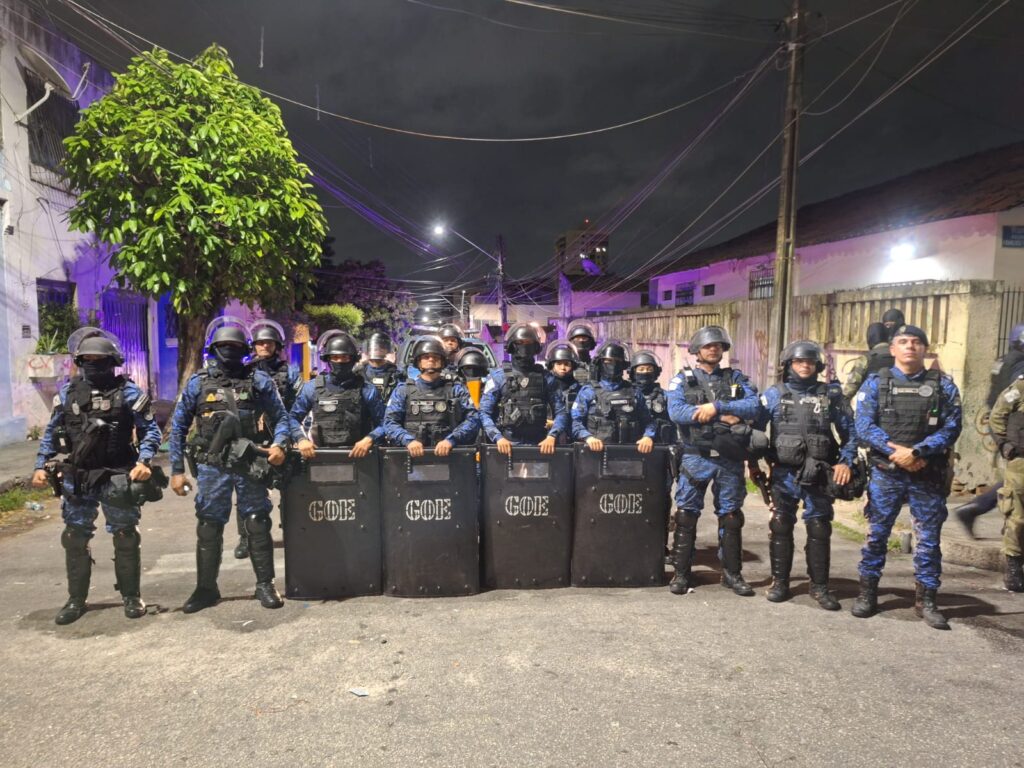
{"points": [[488, 68]]}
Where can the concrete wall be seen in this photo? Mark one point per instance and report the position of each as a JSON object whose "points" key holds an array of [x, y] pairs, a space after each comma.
{"points": [[484, 313], [954, 249], [37, 242]]}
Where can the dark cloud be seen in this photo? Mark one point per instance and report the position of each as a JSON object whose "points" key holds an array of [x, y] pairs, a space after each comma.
{"points": [[404, 64]]}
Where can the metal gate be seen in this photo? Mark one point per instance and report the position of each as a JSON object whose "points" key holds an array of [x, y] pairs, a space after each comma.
{"points": [[125, 314], [1011, 312]]}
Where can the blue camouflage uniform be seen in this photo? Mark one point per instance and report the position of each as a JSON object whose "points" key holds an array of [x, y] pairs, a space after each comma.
{"points": [[213, 501], [80, 511], [787, 489], [463, 434], [735, 396], [490, 405], [889, 488], [306, 402], [585, 401]]}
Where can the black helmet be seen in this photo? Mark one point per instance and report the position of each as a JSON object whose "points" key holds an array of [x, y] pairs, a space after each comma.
{"points": [[644, 357], [98, 345], [472, 363], [877, 334], [340, 344], [1016, 339], [450, 331], [267, 330], [710, 334], [581, 328], [894, 316], [379, 346], [525, 332], [228, 334], [427, 345], [561, 350], [803, 350], [613, 350]]}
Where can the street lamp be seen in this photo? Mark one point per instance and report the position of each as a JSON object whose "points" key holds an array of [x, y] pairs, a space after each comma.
{"points": [[441, 229]]}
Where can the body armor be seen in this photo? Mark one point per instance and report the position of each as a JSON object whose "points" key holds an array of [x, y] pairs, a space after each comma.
{"points": [[908, 411], [582, 375], [220, 394], [697, 391], [84, 409], [523, 405], [666, 433], [802, 426], [385, 381], [879, 359], [285, 388], [339, 414], [431, 414], [612, 417]]}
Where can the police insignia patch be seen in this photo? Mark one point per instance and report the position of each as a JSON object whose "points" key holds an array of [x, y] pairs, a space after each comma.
{"points": [[1011, 395], [861, 396], [211, 398]]}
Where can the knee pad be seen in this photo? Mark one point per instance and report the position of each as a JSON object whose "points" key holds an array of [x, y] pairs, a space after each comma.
{"points": [[75, 539], [208, 530], [732, 521], [686, 520], [780, 524], [257, 525], [127, 538], [819, 529]]}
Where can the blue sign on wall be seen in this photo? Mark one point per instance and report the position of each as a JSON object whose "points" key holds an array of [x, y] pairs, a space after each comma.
{"points": [[1013, 237]]}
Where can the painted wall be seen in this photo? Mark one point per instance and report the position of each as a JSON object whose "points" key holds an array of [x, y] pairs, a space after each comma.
{"points": [[36, 240], [955, 249], [487, 313], [1009, 261]]}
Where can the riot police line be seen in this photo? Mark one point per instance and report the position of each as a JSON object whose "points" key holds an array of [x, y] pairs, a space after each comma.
{"points": [[574, 487]]}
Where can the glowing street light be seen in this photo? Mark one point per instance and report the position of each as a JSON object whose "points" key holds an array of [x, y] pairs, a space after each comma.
{"points": [[903, 251]]}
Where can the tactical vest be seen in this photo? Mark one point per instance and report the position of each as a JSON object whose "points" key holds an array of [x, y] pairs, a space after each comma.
{"points": [[340, 417], [582, 374], [909, 411], [697, 391], [879, 359], [666, 432], [523, 404], [802, 426], [613, 417], [88, 409], [1004, 372], [385, 381], [220, 394], [431, 414]]}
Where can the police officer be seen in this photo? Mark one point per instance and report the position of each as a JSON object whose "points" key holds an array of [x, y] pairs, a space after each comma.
{"points": [[347, 410], [892, 319], [268, 343], [1006, 370], [1007, 423], [909, 418], [228, 391], [710, 405], [518, 396], [802, 412], [431, 411], [609, 409], [378, 369], [644, 371], [98, 413], [451, 337], [471, 365], [876, 358], [581, 335], [562, 360]]}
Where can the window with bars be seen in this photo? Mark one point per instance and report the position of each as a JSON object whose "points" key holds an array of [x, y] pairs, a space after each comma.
{"points": [[48, 125], [762, 282], [708, 289], [684, 294], [57, 292]]}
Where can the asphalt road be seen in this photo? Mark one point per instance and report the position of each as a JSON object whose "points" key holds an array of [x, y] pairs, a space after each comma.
{"points": [[570, 677]]}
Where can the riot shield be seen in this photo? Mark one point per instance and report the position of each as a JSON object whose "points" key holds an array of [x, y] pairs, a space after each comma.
{"points": [[431, 528], [330, 512], [619, 535], [527, 518]]}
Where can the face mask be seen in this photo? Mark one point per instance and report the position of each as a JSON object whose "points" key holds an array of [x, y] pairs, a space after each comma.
{"points": [[230, 355], [268, 365], [98, 371], [342, 371], [522, 354], [610, 371], [645, 379]]}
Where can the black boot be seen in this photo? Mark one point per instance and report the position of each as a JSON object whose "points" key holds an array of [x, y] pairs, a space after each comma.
{"points": [[866, 603], [242, 548], [925, 607], [972, 510], [684, 539], [1013, 578], [818, 553], [261, 553], [78, 563], [730, 542], [128, 571], [780, 554], [209, 548]]}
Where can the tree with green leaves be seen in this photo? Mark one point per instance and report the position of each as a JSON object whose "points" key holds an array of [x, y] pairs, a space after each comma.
{"points": [[386, 305], [190, 174]]}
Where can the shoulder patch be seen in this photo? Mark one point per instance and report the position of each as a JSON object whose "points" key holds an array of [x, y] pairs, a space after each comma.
{"points": [[675, 383], [1011, 395], [490, 386], [764, 400], [56, 400], [862, 396]]}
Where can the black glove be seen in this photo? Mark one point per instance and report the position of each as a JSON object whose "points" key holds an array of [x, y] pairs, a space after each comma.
{"points": [[1008, 450]]}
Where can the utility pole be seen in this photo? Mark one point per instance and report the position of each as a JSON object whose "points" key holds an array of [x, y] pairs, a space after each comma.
{"points": [[786, 232], [502, 301]]}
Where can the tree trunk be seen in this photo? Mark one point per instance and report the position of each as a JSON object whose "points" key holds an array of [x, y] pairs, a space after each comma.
{"points": [[191, 339]]}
